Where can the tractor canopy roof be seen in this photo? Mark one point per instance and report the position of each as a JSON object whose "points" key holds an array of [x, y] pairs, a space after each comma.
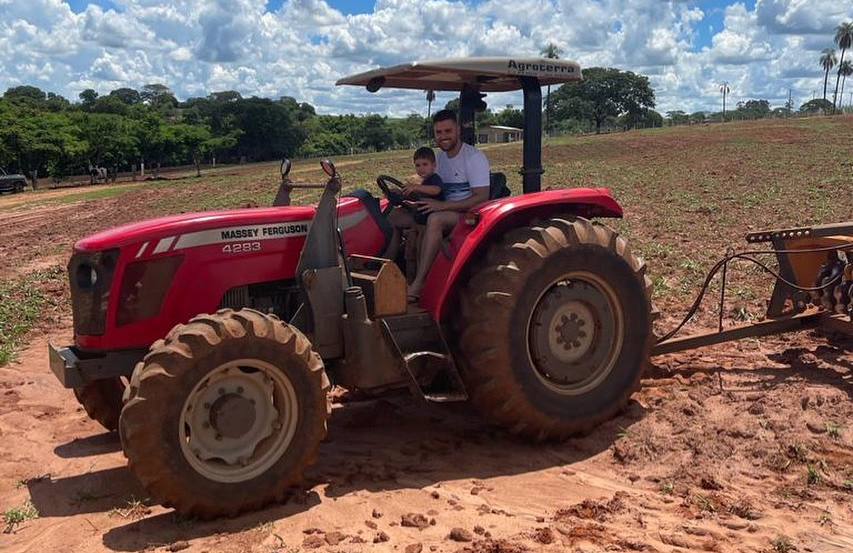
{"points": [[495, 74]]}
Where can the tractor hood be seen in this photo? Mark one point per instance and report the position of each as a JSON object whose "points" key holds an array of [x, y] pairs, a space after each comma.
{"points": [[241, 222]]}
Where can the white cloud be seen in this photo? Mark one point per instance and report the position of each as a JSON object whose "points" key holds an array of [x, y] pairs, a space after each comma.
{"points": [[196, 47]]}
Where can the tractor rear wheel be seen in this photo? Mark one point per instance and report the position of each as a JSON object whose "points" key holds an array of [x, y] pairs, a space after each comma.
{"points": [[102, 400], [224, 414], [555, 328]]}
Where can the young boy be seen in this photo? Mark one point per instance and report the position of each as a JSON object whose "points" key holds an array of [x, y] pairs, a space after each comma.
{"points": [[425, 184]]}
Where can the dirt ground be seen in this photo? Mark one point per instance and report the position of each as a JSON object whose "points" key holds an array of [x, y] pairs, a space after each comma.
{"points": [[746, 446]]}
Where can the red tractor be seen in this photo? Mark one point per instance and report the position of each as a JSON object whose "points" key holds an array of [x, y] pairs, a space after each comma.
{"points": [[209, 340]]}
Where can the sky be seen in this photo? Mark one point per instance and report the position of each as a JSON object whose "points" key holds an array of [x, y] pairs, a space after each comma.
{"points": [[763, 49]]}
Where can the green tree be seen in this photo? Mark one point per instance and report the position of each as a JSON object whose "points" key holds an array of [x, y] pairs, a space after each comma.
{"points": [[844, 39], [845, 70], [87, 98], [677, 117], [55, 102], [430, 98], [158, 96], [218, 144], [127, 96], [724, 90], [375, 133], [146, 127], [647, 119], [697, 117], [187, 142], [299, 112], [109, 104], [510, 117], [269, 129], [30, 96], [551, 51], [827, 61], [407, 132], [603, 95], [817, 106], [110, 139], [753, 109]]}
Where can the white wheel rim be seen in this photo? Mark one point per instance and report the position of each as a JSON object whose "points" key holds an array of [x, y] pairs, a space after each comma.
{"points": [[575, 361], [238, 421]]}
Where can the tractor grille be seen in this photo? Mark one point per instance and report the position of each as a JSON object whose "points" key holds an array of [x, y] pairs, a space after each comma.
{"points": [[281, 297], [91, 275]]}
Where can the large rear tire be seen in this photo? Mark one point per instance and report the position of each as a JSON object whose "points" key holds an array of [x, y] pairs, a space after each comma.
{"points": [[555, 328], [225, 414], [102, 400]]}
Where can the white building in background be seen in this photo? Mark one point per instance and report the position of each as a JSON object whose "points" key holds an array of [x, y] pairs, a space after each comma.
{"points": [[494, 134]]}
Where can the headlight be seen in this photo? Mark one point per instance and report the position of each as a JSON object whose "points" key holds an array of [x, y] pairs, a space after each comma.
{"points": [[143, 286]]}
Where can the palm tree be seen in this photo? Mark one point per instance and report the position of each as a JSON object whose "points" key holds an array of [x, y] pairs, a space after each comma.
{"points": [[844, 39], [430, 97], [551, 51], [724, 88], [845, 70], [827, 61]]}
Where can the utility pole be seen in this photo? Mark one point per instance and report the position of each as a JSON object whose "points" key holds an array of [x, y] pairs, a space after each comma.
{"points": [[790, 103], [724, 88]]}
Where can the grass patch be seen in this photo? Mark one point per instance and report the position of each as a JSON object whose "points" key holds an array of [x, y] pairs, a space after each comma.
{"points": [[97, 194], [22, 301], [16, 516], [134, 509], [705, 503], [813, 475], [833, 429], [782, 544]]}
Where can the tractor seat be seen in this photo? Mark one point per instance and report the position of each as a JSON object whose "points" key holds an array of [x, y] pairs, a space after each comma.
{"points": [[497, 186]]}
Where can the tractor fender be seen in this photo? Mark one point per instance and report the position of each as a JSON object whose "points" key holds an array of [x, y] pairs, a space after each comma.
{"points": [[488, 222]]}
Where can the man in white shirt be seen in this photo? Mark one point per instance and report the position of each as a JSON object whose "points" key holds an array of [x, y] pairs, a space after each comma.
{"points": [[465, 173]]}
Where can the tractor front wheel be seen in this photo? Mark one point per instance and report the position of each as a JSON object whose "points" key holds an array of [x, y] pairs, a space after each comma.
{"points": [[102, 400], [555, 328], [224, 414]]}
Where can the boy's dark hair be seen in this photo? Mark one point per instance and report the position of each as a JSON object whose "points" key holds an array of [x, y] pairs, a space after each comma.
{"points": [[424, 152], [445, 115]]}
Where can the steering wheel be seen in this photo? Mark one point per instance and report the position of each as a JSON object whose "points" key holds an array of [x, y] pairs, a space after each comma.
{"points": [[396, 198]]}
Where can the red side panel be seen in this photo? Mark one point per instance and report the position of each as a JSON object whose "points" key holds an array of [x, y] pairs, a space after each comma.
{"points": [[220, 250], [496, 218]]}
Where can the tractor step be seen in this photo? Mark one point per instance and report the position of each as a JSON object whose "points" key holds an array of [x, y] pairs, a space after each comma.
{"points": [[429, 365]]}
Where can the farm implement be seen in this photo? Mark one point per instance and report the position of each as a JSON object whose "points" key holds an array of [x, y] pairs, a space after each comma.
{"points": [[813, 285], [210, 340]]}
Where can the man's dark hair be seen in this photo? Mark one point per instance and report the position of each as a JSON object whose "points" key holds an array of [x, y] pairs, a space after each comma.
{"points": [[445, 115], [424, 152]]}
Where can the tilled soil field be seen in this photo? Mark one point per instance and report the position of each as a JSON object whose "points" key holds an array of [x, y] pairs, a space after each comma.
{"points": [[745, 446]]}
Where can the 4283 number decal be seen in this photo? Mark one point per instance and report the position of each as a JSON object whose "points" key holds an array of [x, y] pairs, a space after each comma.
{"points": [[241, 247]]}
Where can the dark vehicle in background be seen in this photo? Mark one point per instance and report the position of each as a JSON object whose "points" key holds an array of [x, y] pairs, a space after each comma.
{"points": [[12, 183]]}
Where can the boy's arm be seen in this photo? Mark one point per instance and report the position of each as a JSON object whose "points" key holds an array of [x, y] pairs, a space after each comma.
{"points": [[432, 185], [429, 187]]}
